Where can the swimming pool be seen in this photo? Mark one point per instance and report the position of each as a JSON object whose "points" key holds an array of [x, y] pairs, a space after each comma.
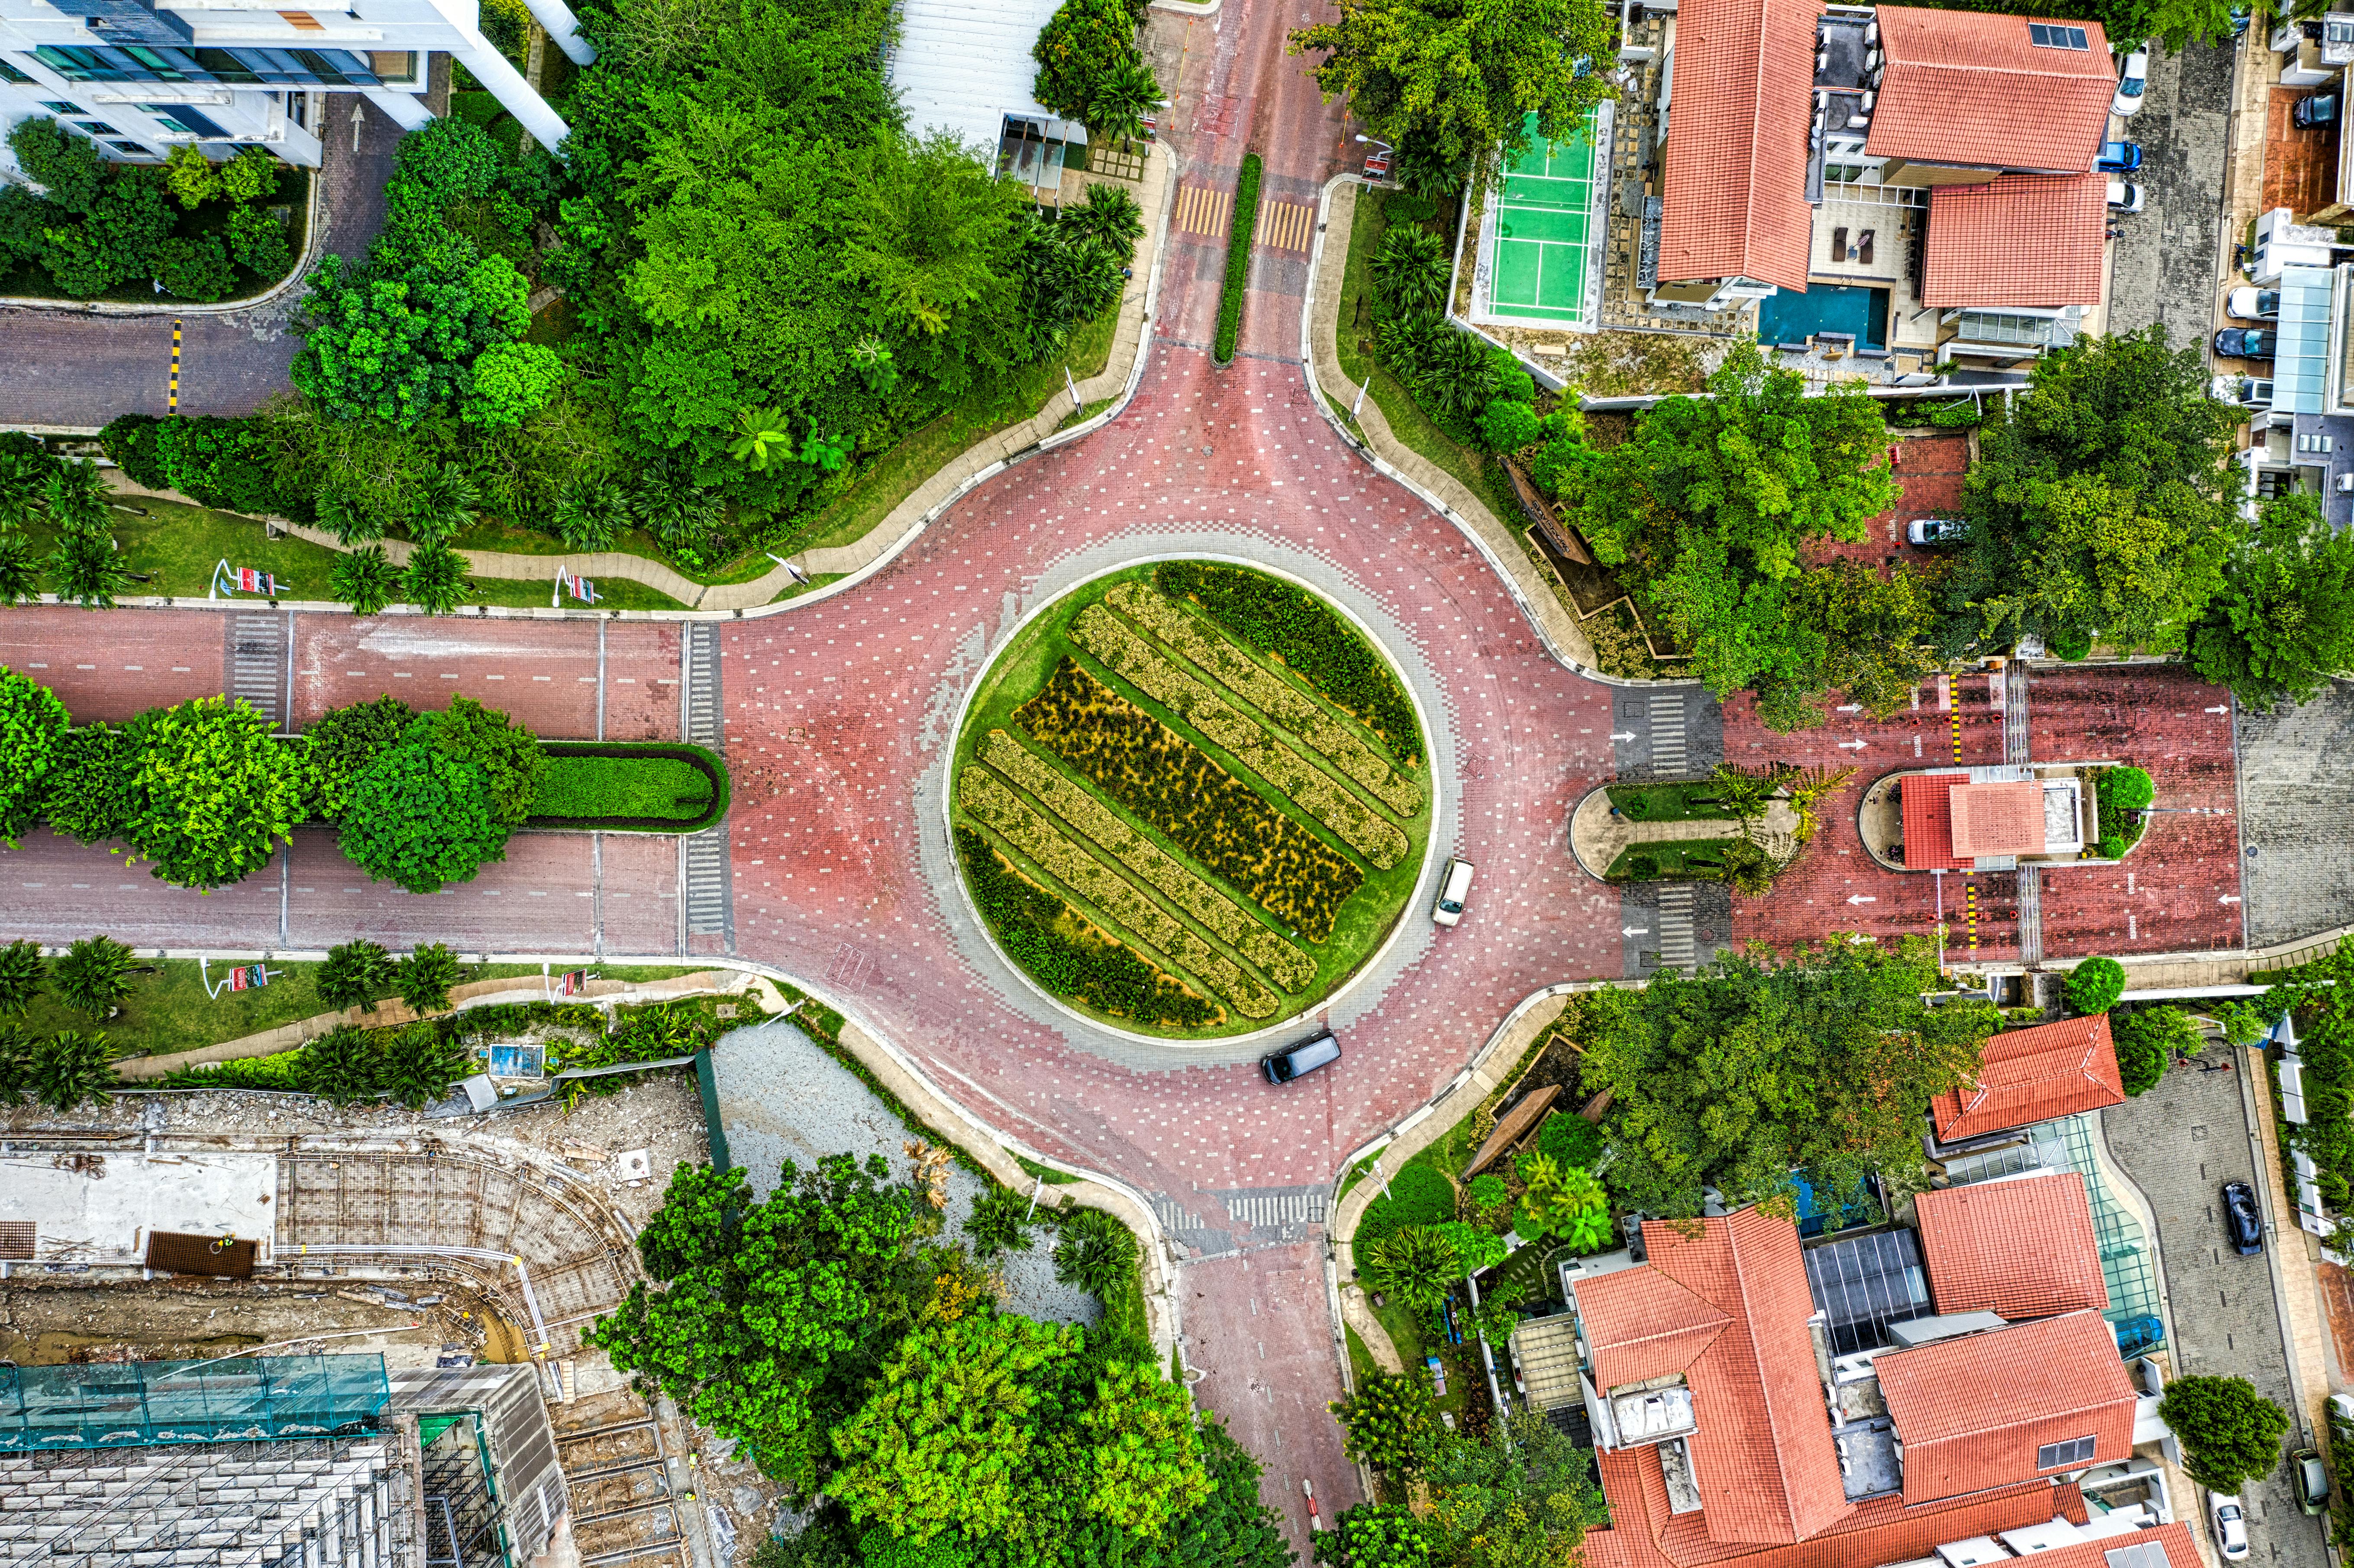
{"points": [[1789, 317]]}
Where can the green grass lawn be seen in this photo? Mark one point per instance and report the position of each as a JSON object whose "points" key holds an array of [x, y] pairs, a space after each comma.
{"points": [[1365, 920], [1675, 860], [179, 546], [662, 787], [169, 1011], [1670, 803]]}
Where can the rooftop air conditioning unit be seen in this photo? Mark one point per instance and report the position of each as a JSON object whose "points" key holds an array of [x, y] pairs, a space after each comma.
{"points": [[1869, 99], [1870, 34], [1871, 60], [1822, 59]]}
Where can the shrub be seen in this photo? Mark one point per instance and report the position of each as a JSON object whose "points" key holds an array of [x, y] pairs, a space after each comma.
{"points": [[340, 746], [426, 976], [23, 972], [1570, 1140], [130, 440], [435, 580], [1097, 1253], [212, 794], [354, 975], [1307, 635], [71, 1069], [2147, 1039], [1417, 1195], [999, 1222], [2095, 985], [259, 242], [1507, 427], [251, 177], [1513, 382], [2071, 644], [366, 579], [2127, 788], [421, 1065], [33, 725], [1238, 252], [341, 1066], [1390, 1421], [94, 976], [1410, 270], [2110, 847], [449, 159], [190, 176], [89, 791], [421, 818], [196, 267]]}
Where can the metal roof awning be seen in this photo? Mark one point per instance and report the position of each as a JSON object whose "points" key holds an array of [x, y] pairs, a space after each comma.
{"points": [[2301, 366]]}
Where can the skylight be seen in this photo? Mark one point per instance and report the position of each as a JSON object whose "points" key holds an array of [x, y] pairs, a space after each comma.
{"points": [[2051, 36]]}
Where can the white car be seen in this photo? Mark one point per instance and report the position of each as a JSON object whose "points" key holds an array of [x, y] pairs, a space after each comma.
{"points": [[1454, 886], [2133, 80], [2230, 1525], [2125, 195], [1937, 531], [2252, 304]]}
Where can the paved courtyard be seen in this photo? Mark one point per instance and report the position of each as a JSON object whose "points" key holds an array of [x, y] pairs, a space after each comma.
{"points": [[2180, 1143], [2297, 786], [2164, 268]]}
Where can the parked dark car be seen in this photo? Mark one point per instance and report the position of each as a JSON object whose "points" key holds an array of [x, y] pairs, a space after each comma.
{"points": [[2314, 109], [2118, 157], [2246, 343], [1282, 1066], [2241, 1221]]}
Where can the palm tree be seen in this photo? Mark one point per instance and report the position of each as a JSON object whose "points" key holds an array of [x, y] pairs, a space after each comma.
{"points": [[1744, 792], [1123, 99], [1096, 1252], [354, 975], [1414, 1264], [1459, 376], [765, 438], [340, 1066], [1808, 784], [419, 1066], [1109, 214], [366, 579], [23, 973], [351, 523], [20, 570], [71, 1068], [94, 975], [590, 513], [15, 1065], [75, 498], [444, 507], [22, 482], [426, 976], [436, 581], [88, 571], [1410, 270]]}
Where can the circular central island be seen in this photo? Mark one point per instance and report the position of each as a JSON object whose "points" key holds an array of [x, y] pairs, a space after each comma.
{"points": [[1190, 799]]}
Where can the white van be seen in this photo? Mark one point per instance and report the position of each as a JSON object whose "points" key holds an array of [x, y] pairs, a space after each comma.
{"points": [[1454, 886]]}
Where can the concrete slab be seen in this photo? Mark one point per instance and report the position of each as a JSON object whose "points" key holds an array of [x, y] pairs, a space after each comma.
{"points": [[101, 1208]]}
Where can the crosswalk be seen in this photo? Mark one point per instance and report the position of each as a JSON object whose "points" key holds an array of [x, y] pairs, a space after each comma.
{"points": [[1676, 948], [1271, 1208], [1201, 210], [701, 655], [257, 665], [1285, 226], [710, 900], [1667, 726]]}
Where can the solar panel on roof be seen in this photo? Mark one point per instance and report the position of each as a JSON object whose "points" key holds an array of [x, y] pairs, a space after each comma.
{"points": [[2045, 35], [1864, 1283], [2140, 1554]]}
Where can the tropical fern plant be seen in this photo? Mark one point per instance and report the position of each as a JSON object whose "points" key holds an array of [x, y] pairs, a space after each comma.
{"points": [[1413, 1265], [87, 570], [420, 1065], [589, 514], [75, 498], [435, 580], [763, 435], [354, 975], [1410, 271], [999, 1223], [20, 570], [1110, 215], [94, 976], [366, 579], [71, 1069], [444, 506], [23, 972], [15, 1064], [1744, 792], [341, 1066], [1096, 1252], [426, 976]]}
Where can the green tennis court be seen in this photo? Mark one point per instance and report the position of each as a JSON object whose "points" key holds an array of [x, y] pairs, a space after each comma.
{"points": [[1547, 228]]}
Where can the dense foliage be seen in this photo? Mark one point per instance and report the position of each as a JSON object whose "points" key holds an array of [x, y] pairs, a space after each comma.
{"points": [[97, 224], [1314, 641], [33, 725], [1753, 1070], [2147, 1039], [1390, 1421], [2284, 624], [212, 795], [2230, 1433], [1454, 81], [2094, 985], [355, 974], [1239, 240], [421, 818], [2320, 996], [1089, 69], [2099, 507]]}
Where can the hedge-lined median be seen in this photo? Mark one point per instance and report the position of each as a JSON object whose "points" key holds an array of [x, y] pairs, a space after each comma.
{"points": [[629, 786], [1239, 250]]}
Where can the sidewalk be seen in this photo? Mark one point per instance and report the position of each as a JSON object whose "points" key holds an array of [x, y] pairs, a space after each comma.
{"points": [[1503, 547]]}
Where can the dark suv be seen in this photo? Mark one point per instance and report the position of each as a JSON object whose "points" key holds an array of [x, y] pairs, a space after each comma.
{"points": [[2246, 343], [2242, 1223]]}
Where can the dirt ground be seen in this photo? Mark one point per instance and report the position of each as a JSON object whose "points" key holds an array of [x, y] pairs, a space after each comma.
{"points": [[53, 1321]]}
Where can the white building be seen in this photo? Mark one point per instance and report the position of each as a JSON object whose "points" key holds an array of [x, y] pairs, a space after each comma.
{"points": [[139, 77]]}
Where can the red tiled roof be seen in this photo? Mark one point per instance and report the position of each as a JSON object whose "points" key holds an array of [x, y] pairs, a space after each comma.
{"points": [[2022, 1249], [1997, 819], [1972, 1411], [2022, 242], [2027, 1075], [1972, 88], [1739, 116], [1640, 1325], [1762, 1456], [2181, 1550], [1644, 1534], [1928, 822]]}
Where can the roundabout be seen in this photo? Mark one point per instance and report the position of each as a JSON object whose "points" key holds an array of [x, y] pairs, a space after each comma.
{"points": [[1191, 800]]}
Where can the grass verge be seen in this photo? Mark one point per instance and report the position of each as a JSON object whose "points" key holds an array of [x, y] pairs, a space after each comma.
{"points": [[1670, 803], [1672, 860], [1239, 250]]}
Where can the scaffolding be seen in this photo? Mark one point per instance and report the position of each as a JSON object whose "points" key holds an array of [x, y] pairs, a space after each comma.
{"points": [[134, 1404]]}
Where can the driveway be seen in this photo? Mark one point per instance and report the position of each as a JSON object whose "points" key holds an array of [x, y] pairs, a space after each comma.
{"points": [[2296, 791], [2180, 1143], [2165, 266]]}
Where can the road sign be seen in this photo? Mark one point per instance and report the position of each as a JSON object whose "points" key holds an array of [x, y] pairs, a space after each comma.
{"points": [[244, 579], [573, 982], [578, 586], [240, 977]]}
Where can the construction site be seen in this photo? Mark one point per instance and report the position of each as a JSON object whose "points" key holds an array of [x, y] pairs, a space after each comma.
{"points": [[248, 1328]]}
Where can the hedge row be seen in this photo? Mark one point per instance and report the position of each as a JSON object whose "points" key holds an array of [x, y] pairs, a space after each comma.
{"points": [[1067, 954], [645, 786], [1239, 239], [1316, 641]]}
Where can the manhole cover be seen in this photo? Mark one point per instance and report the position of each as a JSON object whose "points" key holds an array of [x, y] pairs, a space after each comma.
{"points": [[1705, 934], [1206, 451]]}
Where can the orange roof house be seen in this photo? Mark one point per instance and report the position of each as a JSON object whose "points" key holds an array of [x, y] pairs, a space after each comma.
{"points": [[2022, 240], [1734, 187], [1929, 821], [1975, 89], [1987, 1411], [2018, 1248], [1997, 819], [2027, 1075]]}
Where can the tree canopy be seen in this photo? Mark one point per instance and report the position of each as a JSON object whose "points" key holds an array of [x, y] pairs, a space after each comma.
{"points": [[418, 817], [211, 794], [2231, 1433], [2098, 506], [1458, 79], [1708, 510], [33, 723], [1754, 1070], [2284, 622]]}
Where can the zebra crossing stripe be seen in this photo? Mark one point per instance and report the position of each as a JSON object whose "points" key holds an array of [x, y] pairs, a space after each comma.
{"points": [[1200, 210], [1285, 226]]}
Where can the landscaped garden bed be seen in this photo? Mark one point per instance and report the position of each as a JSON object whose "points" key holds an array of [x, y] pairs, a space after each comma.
{"points": [[1693, 799], [1190, 799], [629, 786], [1675, 860]]}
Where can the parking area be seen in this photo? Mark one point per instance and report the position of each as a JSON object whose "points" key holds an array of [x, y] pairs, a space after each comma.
{"points": [[2296, 791], [2165, 265], [2180, 1143]]}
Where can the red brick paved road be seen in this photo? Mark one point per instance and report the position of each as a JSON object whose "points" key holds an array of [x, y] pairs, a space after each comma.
{"points": [[110, 664], [542, 671]]}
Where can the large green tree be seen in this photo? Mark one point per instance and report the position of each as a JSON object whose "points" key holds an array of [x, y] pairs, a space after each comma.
{"points": [[1460, 77], [212, 794], [2284, 622], [2098, 507], [1708, 510], [343, 743], [420, 817], [2231, 1433], [1754, 1069], [1521, 1497], [33, 723], [506, 752]]}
